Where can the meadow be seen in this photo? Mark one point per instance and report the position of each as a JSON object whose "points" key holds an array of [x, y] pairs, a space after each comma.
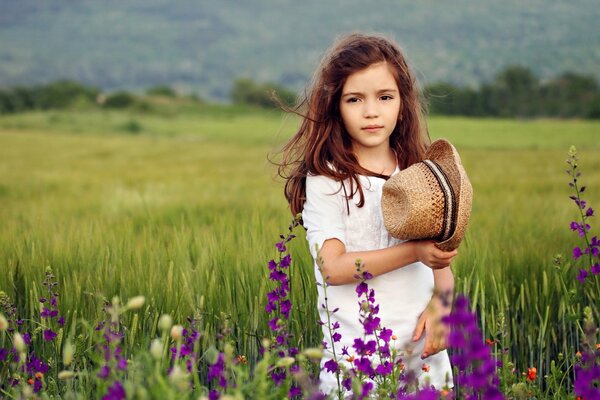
{"points": [[183, 207]]}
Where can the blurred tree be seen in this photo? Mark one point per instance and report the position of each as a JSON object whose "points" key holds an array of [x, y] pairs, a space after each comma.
{"points": [[246, 91], [162, 90]]}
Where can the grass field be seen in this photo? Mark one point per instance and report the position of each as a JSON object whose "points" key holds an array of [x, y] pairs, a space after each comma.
{"points": [[184, 209]]}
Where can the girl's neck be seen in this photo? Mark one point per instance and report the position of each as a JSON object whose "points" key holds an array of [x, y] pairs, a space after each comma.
{"points": [[380, 160]]}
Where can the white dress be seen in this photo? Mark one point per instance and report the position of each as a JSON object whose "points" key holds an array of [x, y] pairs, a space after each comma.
{"points": [[402, 294]]}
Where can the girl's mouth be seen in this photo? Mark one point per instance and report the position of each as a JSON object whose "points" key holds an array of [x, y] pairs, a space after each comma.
{"points": [[372, 128]]}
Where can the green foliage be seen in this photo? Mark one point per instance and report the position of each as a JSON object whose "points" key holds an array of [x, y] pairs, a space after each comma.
{"points": [[162, 90], [246, 91], [56, 95], [517, 92], [121, 99]]}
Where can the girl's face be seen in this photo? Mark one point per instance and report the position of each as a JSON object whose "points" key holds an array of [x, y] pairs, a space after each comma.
{"points": [[369, 106]]}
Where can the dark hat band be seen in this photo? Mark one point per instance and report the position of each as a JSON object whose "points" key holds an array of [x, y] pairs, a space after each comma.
{"points": [[450, 206]]}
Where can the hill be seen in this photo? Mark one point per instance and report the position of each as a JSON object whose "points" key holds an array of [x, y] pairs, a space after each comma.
{"points": [[202, 46]]}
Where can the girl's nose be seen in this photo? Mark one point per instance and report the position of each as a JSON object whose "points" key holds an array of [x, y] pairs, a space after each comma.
{"points": [[370, 110]]}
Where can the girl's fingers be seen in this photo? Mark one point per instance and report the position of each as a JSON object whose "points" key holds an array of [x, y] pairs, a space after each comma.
{"points": [[419, 328]]}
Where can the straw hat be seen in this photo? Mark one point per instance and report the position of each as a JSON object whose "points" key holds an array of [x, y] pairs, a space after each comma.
{"points": [[430, 200]]}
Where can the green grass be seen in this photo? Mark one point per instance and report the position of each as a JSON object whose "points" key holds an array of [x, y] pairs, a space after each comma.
{"points": [[186, 211]]}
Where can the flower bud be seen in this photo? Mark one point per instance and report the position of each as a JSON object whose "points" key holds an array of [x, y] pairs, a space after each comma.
{"points": [[156, 349], [176, 332], [165, 322], [285, 362], [179, 378], [136, 302], [68, 351], [19, 343], [313, 353], [3, 323], [64, 375]]}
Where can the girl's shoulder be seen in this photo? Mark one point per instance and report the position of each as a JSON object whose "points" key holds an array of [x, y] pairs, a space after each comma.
{"points": [[322, 184]]}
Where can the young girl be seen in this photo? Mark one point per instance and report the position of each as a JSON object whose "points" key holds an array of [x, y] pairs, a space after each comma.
{"points": [[363, 123]]}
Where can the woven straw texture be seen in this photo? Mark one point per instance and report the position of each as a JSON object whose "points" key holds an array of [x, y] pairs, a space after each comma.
{"points": [[413, 202]]}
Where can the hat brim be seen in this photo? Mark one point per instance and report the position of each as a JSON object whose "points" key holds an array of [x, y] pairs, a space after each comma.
{"points": [[445, 154]]}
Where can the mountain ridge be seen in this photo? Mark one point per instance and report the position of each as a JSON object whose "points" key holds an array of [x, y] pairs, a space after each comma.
{"points": [[202, 46]]}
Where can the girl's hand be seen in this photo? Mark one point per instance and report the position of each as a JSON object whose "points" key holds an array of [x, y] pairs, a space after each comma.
{"points": [[430, 255], [436, 332]]}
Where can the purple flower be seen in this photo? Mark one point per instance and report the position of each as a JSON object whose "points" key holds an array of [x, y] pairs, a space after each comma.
{"points": [[577, 252], [589, 212], [336, 337], [216, 370], [384, 369], [121, 363], [278, 377], [115, 392], [595, 269], [362, 288], [214, 395], [366, 389], [272, 265], [371, 324], [281, 247], [582, 275], [286, 306], [49, 335], [385, 334], [331, 366], [477, 369], [294, 391], [61, 321], [104, 372], [286, 261], [363, 364]]}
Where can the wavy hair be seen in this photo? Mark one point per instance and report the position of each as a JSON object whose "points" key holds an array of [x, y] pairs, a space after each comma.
{"points": [[321, 145]]}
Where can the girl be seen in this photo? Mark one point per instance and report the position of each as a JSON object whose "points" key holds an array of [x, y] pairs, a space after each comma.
{"points": [[363, 123]]}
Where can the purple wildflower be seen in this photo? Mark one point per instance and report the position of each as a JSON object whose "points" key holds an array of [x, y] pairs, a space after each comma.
{"points": [[104, 372], [331, 366], [278, 377], [336, 337], [363, 364], [595, 269], [115, 392], [477, 368], [582, 275], [362, 288], [217, 369], [577, 252], [366, 390], [281, 247], [49, 335]]}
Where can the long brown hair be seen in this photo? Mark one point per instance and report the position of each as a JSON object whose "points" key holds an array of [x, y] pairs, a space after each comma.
{"points": [[321, 146]]}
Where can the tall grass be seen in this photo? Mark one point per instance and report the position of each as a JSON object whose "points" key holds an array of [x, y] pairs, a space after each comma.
{"points": [[186, 211]]}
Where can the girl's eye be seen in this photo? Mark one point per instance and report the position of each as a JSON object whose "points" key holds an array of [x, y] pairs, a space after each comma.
{"points": [[352, 100], [386, 97]]}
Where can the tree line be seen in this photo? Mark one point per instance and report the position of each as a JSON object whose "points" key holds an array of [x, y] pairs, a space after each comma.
{"points": [[515, 92]]}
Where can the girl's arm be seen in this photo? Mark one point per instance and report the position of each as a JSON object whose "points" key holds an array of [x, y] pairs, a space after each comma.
{"points": [[430, 321], [339, 266]]}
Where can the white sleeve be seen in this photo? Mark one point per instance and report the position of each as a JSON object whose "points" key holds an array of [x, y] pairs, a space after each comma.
{"points": [[323, 211]]}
